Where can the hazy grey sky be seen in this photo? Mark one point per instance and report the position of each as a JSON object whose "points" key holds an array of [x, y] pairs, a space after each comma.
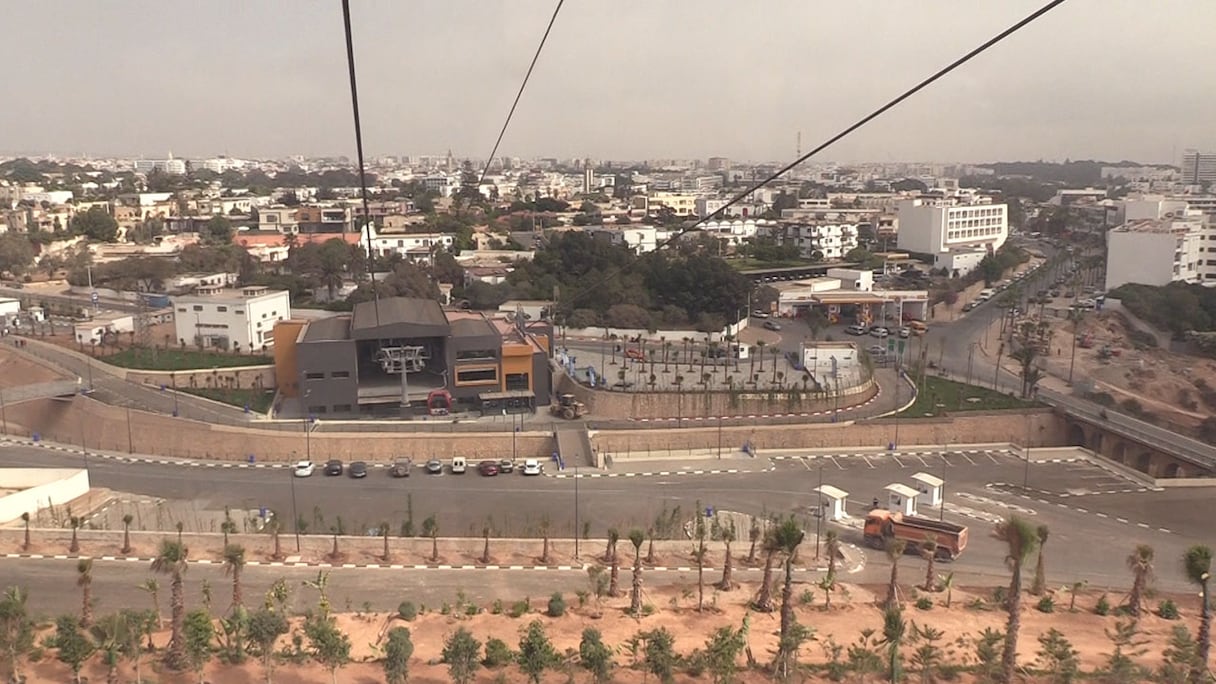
{"points": [[635, 79]]}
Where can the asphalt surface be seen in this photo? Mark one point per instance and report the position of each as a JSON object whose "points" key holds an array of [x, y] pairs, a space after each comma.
{"points": [[1095, 516]]}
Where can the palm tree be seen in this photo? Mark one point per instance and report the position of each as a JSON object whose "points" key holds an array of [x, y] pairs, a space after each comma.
{"points": [[1040, 569], [75, 522], [171, 560], [895, 549], [832, 546], [430, 528], [275, 528], [928, 549], [614, 566], [228, 526], [127, 519], [760, 347], [753, 536], [84, 580], [789, 536], [1021, 538], [234, 562], [764, 597], [25, 519], [728, 536], [948, 587], [1140, 562], [636, 537], [1198, 564], [485, 553], [151, 586], [545, 524]]}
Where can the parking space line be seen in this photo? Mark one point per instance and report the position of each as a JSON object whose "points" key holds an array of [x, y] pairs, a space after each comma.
{"points": [[991, 457], [867, 460], [805, 464], [968, 459], [836, 463], [923, 461], [896, 459]]}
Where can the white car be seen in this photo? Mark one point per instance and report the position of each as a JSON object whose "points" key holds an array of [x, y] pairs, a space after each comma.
{"points": [[531, 467], [759, 313], [304, 468]]}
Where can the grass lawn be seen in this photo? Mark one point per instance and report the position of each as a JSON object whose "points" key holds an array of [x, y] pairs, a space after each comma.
{"points": [[753, 264], [258, 400], [143, 358], [939, 395]]}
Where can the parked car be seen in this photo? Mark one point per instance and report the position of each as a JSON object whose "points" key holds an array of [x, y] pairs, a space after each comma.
{"points": [[358, 470], [879, 332], [760, 314], [905, 331], [531, 467], [459, 465], [856, 330], [488, 468], [434, 466], [772, 325], [876, 350], [304, 469], [969, 306], [506, 466], [333, 467], [401, 467]]}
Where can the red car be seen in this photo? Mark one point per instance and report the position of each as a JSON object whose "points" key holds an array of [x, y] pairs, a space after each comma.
{"points": [[488, 468]]}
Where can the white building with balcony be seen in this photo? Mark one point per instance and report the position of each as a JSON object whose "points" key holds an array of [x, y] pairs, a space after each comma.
{"points": [[819, 241], [415, 247], [240, 320], [956, 236], [1158, 252]]}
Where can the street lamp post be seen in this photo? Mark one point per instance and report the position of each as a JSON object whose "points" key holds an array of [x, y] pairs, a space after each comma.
{"points": [[819, 515], [3, 412], [719, 437], [1026, 470], [130, 440], [576, 529], [295, 515]]}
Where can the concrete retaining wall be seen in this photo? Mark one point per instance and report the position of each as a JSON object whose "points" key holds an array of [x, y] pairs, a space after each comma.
{"points": [[244, 377], [39, 488]]}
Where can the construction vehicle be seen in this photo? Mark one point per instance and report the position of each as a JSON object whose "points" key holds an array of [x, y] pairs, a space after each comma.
{"points": [[882, 525], [568, 407]]}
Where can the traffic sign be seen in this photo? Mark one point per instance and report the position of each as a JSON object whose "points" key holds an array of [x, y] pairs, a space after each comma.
{"points": [[901, 346], [94, 297], [890, 345]]}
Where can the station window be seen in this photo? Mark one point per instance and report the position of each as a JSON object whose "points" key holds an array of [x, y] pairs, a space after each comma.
{"points": [[476, 354], [318, 409], [340, 374], [314, 376], [341, 408], [477, 375], [517, 381]]}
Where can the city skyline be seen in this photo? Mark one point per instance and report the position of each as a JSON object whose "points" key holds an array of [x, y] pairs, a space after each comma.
{"points": [[213, 79]]}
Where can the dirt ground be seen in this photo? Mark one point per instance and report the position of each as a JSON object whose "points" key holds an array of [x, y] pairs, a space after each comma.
{"points": [[853, 610], [1162, 381], [15, 371]]}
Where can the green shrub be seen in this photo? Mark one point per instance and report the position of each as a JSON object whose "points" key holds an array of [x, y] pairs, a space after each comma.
{"points": [[445, 609], [557, 605], [1046, 605], [471, 610], [407, 611], [695, 663], [498, 653], [1168, 610], [1102, 607], [519, 608], [648, 610], [924, 603], [496, 608], [807, 597]]}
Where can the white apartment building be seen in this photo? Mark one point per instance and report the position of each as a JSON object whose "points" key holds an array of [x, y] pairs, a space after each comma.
{"points": [[171, 166], [819, 241], [1156, 252], [415, 247], [736, 232], [240, 320], [1198, 167], [682, 205], [956, 236], [640, 239]]}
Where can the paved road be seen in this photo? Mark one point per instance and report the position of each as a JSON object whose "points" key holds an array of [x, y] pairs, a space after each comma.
{"points": [[1095, 516]]}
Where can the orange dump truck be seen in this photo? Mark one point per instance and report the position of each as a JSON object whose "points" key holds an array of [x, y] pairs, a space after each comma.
{"points": [[881, 525]]}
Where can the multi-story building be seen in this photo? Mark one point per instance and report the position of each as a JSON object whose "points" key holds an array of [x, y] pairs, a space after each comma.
{"points": [[171, 166], [415, 247], [955, 236], [1198, 167], [279, 219], [240, 320], [819, 241], [640, 239], [1156, 252], [324, 219], [353, 363], [682, 205]]}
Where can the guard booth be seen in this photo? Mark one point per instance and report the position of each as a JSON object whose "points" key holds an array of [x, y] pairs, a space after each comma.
{"points": [[901, 498], [930, 488], [832, 502]]}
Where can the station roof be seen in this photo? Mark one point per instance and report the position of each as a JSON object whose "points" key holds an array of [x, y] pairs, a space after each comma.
{"points": [[928, 479], [832, 492], [902, 490], [399, 317]]}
